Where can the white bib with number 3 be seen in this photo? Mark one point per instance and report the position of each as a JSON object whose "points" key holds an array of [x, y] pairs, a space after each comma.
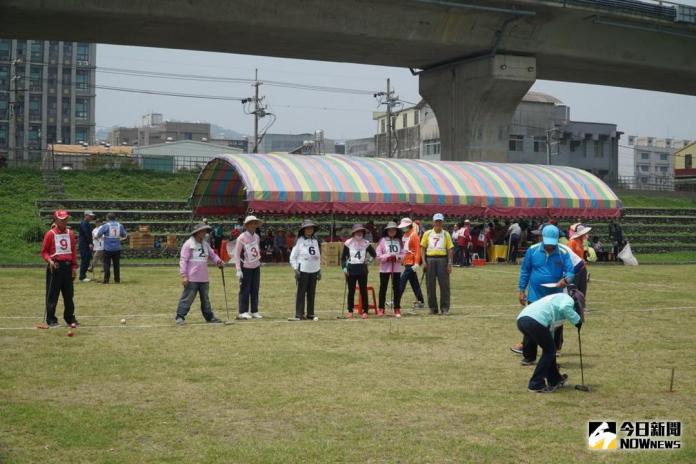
{"points": [[251, 252], [62, 243]]}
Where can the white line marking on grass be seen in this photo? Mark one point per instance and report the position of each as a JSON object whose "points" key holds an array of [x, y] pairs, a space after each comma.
{"points": [[416, 317]]}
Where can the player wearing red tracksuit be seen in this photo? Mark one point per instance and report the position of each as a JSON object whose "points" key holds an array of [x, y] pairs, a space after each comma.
{"points": [[59, 252]]}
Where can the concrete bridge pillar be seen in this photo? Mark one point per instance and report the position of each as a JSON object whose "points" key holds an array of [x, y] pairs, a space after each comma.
{"points": [[474, 103]]}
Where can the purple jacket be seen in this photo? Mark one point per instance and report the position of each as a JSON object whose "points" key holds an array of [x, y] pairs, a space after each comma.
{"points": [[385, 249], [193, 263]]}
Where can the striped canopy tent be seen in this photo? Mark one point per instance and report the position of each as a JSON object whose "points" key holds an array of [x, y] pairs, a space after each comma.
{"points": [[281, 183]]}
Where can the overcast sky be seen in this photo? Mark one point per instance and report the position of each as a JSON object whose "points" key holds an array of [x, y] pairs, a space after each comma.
{"points": [[341, 116]]}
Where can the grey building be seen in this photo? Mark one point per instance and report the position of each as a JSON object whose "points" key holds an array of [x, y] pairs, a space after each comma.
{"points": [[539, 117], [155, 131], [124, 136], [285, 143], [47, 95], [361, 147], [280, 142], [541, 131]]}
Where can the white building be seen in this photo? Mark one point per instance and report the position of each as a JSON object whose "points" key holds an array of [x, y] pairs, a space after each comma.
{"points": [[180, 155]]}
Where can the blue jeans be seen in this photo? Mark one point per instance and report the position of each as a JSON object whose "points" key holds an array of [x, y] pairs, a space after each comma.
{"points": [[189, 294], [249, 290], [546, 369], [410, 276]]}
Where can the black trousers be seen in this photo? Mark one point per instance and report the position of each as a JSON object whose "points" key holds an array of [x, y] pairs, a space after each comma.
{"points": [[396, 288], [306, 290], [514, 246], [581, 282], [110, 256], [85, 258], [361, 280], [60, 281], [546, 369]]}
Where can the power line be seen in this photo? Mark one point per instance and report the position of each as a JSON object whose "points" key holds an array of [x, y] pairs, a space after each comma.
{"points": [[237, 80], [168, 94], [226, 69]]}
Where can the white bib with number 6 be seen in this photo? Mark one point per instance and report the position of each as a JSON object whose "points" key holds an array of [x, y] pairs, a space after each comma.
{"points": [[62, 243]]}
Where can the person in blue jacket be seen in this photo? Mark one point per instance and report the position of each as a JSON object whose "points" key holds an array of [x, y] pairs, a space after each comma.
{"points": [[546, 262], [537, 322], [113, 232]]}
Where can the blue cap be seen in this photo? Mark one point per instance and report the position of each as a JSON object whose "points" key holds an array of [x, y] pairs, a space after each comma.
{"points": [[438, 217], [550, 235]]}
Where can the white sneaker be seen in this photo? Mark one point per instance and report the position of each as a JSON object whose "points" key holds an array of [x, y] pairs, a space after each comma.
{"points": [[256, 315], [244, 316], [86, 279]]}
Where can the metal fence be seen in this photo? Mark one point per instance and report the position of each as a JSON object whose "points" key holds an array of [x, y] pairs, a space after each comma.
{"points": [[664, 184], [660, 9], [48, 160]]}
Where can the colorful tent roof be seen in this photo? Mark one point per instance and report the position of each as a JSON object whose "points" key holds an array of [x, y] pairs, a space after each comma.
{"points": [[295, 184]]}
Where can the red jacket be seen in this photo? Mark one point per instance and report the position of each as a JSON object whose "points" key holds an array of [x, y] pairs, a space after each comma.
{"points": [[464, 237], [60, 246]]}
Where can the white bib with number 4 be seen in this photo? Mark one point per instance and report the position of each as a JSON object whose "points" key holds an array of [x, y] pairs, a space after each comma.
{"points": [[62, 243], [357, 254]]}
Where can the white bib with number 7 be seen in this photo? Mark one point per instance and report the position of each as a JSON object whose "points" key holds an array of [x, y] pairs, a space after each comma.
{"points": [[436, 242], [251, 252], [62, 243]]}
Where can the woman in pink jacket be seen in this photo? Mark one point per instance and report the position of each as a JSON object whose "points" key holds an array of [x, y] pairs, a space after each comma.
{"points": [[193, 267], [390, 254]]}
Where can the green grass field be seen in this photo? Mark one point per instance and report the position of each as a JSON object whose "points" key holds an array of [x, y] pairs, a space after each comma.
{"points": [[422, 389]]}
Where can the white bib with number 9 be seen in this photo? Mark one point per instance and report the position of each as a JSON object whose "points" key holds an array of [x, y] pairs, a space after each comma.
{"points": [[62, 242]]}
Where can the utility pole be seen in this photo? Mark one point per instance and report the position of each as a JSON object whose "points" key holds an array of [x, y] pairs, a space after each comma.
{"points": [[256, 110], [389, 121], [259, 110], [549, 136], [391, 101]]}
